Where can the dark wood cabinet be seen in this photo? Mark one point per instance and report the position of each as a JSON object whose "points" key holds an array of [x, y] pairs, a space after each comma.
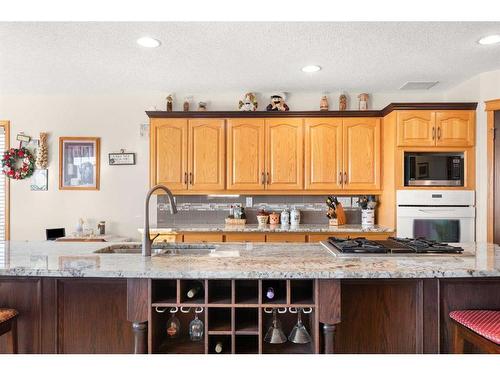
{"points": [[69, 315]]}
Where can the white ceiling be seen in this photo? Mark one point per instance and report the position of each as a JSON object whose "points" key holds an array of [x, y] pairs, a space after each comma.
{"points": [[208, 57]]}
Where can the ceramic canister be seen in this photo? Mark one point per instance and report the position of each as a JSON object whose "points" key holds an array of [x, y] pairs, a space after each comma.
{"points": [[294, 217], [274, 218], [368, 217], [285, 217]]}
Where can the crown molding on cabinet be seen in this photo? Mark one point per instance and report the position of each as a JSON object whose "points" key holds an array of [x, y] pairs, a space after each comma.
{"points": [[371, 113]]}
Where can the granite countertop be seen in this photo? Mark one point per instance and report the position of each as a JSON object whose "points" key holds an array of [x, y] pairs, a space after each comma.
{"points": [[278, 228], [239, 260]]}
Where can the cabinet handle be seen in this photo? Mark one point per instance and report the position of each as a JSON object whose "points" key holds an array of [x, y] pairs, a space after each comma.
{"points": [[433, 133], [191, 178], [345, 177], [268, 178], [439, 133], [340, 178], [263, 178], [185, 178]]}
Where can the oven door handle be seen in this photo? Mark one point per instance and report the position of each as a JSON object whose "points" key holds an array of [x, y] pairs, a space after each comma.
{"points": [[433, 211]]}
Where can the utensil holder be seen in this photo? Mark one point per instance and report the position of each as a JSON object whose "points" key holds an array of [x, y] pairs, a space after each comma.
{"points": [[368, 218]]}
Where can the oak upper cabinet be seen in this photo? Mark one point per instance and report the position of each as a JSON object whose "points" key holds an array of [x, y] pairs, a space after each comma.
{"points": [[284, 154], [206, 155], [455, 128], [361, 145], [323, 153], [245, 154], [168, 148], [416, 128]]}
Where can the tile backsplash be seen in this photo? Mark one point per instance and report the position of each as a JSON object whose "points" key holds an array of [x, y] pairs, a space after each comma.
{"points": [[213, 210]]}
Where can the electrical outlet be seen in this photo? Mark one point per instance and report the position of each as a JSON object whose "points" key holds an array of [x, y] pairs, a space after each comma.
{"points": [[355, 201], [249, 201]]}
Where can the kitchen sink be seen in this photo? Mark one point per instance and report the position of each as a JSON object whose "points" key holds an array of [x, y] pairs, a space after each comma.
{"points": [[162, 249]]}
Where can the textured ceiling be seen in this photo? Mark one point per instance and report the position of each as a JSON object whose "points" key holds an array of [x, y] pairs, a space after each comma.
{"points": [[204, 57]]}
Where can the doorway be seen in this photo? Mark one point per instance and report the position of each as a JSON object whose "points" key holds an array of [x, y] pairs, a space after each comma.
{"points": [[496, 178]]}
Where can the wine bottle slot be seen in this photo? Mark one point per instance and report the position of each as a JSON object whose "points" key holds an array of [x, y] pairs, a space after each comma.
{"points": [[270, 293], [219, 347], [193, 292]]}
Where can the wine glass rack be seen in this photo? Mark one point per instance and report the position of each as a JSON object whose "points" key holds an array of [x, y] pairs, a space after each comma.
{"points": [[236, 315]]}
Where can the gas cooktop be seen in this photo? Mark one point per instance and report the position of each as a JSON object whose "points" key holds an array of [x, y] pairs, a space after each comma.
{"points": [[391, 246]]}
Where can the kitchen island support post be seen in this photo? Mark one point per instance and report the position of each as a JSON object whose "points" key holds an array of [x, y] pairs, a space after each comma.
{"points": [[329, 310], [329, 337], [140, 330], [138, 291]]}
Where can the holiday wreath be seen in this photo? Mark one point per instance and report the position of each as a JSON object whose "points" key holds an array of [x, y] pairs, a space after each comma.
{"points": [[10, 160]]}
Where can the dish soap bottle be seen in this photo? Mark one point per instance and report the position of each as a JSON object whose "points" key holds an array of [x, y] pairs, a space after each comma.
{"points": [[294, 216]]}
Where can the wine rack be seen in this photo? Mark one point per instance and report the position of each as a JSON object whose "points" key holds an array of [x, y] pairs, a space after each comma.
{"points": [[236, 315]]}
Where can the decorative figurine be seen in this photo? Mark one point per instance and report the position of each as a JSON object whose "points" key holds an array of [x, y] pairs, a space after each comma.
{"points": [[185, 106], [249, 103], [323, 103], [277, 103], [363, 101], [170, 102], [342, 102], [202, 106]]}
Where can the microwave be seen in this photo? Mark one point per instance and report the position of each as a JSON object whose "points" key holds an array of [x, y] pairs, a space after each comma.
{"points": [[433, 169]]}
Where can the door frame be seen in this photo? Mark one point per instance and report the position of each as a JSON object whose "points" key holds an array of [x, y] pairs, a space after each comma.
{"points": [[6, 125], [491, 107]]}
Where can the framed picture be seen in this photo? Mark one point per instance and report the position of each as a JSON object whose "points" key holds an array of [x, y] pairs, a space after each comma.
{"points": [[40, 180], [121, 158], [79, 163]]}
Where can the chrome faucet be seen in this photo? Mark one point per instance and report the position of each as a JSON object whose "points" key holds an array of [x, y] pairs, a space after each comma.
{"points": [[147, 241]]}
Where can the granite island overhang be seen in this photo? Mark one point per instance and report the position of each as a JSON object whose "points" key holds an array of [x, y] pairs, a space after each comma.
{"points": [[73, 300]]}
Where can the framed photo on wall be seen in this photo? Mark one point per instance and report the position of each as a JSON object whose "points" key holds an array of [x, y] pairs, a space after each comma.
{"points": [[79, 163]]}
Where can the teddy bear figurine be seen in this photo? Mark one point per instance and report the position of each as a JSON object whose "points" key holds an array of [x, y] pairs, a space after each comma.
{"points": [[249, 103], [277, 103]]}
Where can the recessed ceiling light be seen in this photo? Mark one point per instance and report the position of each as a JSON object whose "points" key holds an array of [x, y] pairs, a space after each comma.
{"points": [[148, 42], [311, 68], [490, 39]]}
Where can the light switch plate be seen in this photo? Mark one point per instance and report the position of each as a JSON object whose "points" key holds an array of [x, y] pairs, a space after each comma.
{"points": [[355, 201], [345, 201], [249, 201]]}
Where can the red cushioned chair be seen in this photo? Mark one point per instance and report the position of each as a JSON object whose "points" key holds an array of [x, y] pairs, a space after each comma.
{"points": [[8, 324], [480, 328]]}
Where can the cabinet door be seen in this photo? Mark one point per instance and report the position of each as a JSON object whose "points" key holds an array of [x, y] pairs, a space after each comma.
{"points": [[286, 237], [245, 154], [245, 237], [284, 154], [416, 128], [206, 155], [323, 153], [168, 153], [361, 153], [202, 237], [455, 128]]}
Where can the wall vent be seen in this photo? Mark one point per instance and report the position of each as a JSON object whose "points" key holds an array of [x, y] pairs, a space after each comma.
{"points": [[425, 85]]}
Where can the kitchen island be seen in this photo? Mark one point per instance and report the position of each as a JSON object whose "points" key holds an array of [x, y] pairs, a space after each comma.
{"points": [[74, 300]]}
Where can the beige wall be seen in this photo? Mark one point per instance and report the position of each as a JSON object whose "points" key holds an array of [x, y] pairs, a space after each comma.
{"points": [[116, 119]]}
